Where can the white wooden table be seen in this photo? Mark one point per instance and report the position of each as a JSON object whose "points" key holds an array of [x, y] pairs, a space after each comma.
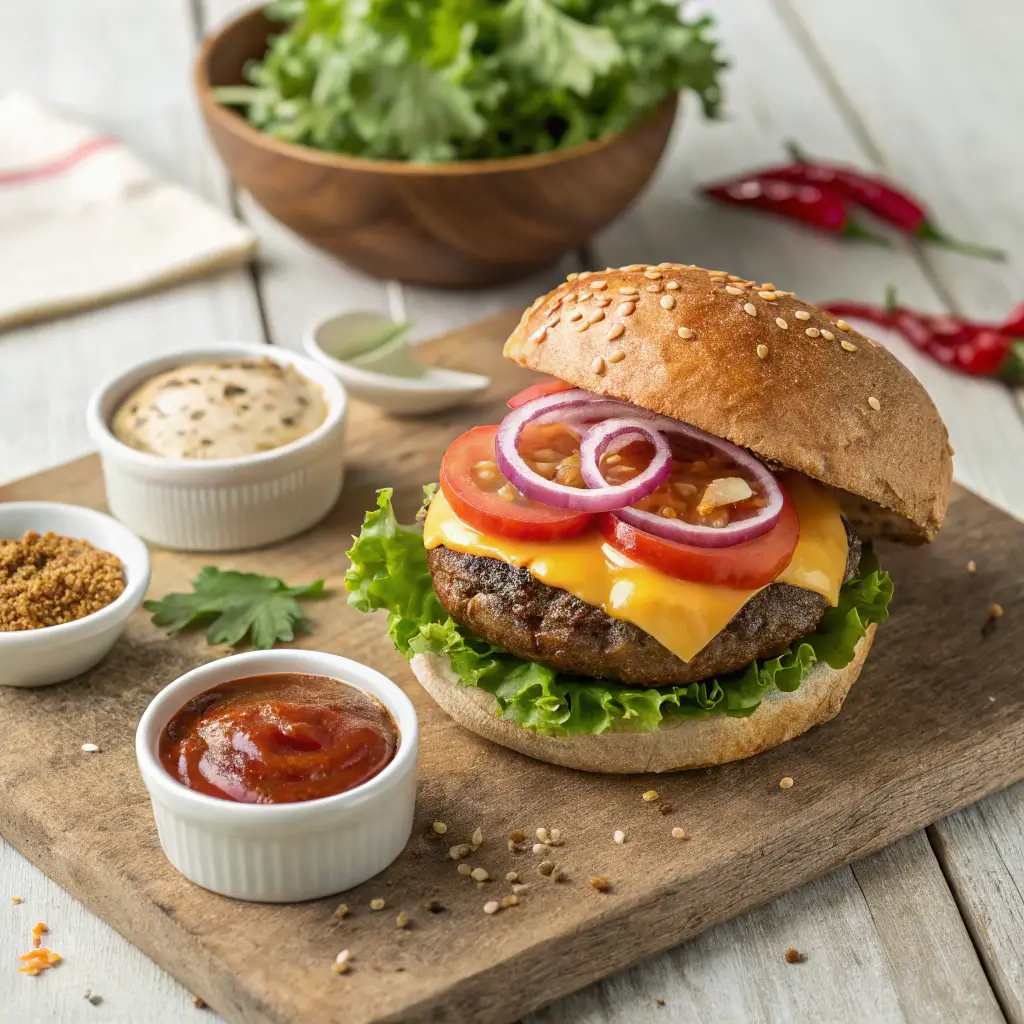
{"points": [[930, 90]]}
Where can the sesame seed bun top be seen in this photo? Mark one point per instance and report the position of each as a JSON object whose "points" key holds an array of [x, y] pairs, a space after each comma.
{"points": [[758, 367]]}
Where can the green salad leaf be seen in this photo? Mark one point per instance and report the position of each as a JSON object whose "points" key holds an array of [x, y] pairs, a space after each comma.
{"points": [[236, 605], [438, 80], [389, 571]]}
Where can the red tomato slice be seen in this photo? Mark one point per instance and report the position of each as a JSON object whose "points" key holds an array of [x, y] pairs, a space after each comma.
{"points": [[545, 387], [477, 493], [745, 566]]}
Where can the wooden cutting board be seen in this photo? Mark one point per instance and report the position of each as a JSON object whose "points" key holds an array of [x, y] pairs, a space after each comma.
{"points": [[934, 723]]}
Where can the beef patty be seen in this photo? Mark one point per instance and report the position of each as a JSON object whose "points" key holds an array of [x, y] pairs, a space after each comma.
{"points": [[507, 606]]}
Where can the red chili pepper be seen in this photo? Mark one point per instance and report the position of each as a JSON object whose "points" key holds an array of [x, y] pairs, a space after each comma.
{"points": [[878, 196], [808, 204], [979, 349]]}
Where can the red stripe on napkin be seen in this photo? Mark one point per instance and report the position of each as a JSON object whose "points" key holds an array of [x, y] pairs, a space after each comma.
{"points": [[58, 165]]}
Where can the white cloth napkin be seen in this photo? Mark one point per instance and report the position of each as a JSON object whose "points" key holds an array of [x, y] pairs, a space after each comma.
{"points": [[83, 221]]}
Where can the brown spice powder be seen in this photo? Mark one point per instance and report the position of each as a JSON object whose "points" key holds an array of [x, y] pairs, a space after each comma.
{"points": [[46, 580]]}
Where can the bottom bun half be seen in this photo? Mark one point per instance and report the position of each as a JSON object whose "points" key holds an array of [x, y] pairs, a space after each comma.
{"points": [[678, 744]]}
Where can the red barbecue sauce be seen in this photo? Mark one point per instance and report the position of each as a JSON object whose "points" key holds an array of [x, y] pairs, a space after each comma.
{"points": [[278, 739]]}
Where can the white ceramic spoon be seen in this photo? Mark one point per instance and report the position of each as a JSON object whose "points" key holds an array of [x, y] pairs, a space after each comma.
{"points": [[371, 355]]}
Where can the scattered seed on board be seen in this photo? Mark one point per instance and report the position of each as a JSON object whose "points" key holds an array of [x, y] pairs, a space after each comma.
{"points": [[555, 839], [491, 907], [464, 869], [545, 867], [439, 827], [762, 351], [667, 302], [678, 833], [827, 335], [846, 346], [511, 876], [874, 403], [972, 566], [598, 365], [517, 835], [616, 331], [402, 920], [341, 911], [619, 836], [542, 835], [995, 611], [750, 309], [785, 783], [812, 332], [90, 748], [650, 796], [341, 962], [480, 875], [617, 356], [685, 333], [626, 309], [376, 903], [478, 836], [599, 882], [802, 314], [541, 848], [782, 323]]}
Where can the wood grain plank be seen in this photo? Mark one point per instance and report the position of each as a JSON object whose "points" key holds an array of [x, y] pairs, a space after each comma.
{"points": [[49, 369], [965, 163], [775, 93], [737, 972], [96, 959], [298, 283], [118, 65]]}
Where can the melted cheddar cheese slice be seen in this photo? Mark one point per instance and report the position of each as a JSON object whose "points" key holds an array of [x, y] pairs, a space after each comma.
{"points": [[682, 616]]}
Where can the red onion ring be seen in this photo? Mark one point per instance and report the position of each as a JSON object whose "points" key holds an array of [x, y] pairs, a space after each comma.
{"points": [[604, 497], [689, 533]]}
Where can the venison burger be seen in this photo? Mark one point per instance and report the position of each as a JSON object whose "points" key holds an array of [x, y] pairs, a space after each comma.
{"points": [[659, 559]]}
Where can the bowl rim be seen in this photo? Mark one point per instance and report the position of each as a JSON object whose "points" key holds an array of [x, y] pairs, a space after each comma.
{"points": [[117, 387], [213, 811], [133, 555], [233, 122]]}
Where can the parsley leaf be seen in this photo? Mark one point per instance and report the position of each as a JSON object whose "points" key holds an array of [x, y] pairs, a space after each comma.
{"points": [[239, 603], [438, 80]]}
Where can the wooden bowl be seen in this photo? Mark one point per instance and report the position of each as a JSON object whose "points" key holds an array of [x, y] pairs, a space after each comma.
{"points": [[469, 223]]}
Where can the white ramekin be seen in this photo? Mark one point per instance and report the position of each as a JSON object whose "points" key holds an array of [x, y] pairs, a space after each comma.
{"points": [[38, 657], [222, 504], [281, 853]]}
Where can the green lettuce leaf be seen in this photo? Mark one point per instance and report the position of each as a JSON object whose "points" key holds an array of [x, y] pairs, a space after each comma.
{"points": [[437, 80], [389, 571]]}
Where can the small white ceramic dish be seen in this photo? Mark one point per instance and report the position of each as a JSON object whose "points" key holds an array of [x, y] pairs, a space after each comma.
{"points": [[371, 355], [38, 657], [282, 853], [222, 504]]}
